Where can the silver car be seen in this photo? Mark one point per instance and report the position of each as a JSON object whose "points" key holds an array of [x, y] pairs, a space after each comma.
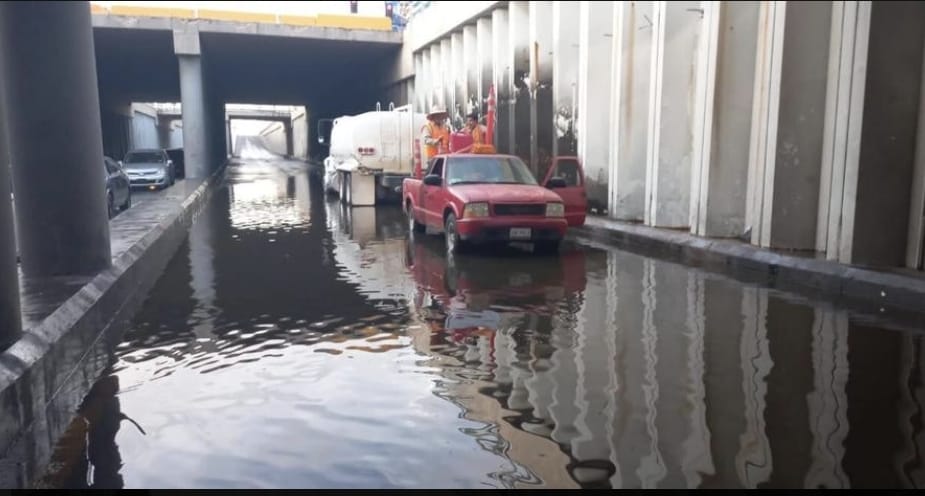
{"points": [[150, 169]]}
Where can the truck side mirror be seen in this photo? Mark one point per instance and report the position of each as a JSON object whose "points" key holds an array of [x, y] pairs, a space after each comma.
{"points": [[556, 182], [433, 180]]}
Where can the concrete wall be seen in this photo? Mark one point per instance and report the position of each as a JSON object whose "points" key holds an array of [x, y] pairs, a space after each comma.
{"points": [[144, 128], [274, 138], [301, 134]]}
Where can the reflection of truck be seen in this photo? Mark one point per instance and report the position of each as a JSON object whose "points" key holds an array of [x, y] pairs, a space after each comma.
{"points": [[371, 153]]}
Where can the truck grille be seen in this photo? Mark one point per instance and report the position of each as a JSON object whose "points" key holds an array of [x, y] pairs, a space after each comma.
{"points": [[520, 209]]}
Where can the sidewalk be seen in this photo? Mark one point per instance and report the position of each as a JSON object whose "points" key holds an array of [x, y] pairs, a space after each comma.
{"points": [[874, 290]]}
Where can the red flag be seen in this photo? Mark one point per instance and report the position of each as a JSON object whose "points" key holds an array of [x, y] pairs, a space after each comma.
{"points": [[490, 118]]}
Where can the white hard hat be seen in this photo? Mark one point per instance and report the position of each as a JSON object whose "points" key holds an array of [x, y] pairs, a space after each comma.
{"points": [[437, 110]]}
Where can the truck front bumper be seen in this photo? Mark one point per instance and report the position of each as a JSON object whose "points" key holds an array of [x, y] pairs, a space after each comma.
{"points": [[511, 229]]}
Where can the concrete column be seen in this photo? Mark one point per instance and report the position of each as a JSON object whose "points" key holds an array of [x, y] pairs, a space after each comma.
{"points": [[425, 89], [435, 76], [723, 110], [457, 106], [193, 105], [501, 79], [55, 138], [629, 123], [594, 88], [541, 62], [519, 65], [484, 62], [446, 65], [419, 100], [470, 65], [287, 128], [915, 250], [676, 27], [10, 310], [565, 20]]}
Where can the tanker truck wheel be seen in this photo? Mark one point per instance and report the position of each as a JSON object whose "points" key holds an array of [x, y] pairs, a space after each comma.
{"points": [[348, 180]]}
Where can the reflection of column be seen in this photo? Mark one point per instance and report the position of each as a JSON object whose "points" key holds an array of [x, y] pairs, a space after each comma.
{"points": [[828, 403], [696, 457], [611, 329], [753, 461], [909, 461], [651, 467], [564, 409], [202, 275]]}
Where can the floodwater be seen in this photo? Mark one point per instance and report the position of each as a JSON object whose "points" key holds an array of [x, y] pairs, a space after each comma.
{"points": [[291, 343]]}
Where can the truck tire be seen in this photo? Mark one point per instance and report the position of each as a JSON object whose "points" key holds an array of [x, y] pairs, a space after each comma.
{"points": [[454, 245], [413, 225], [348, 181]]}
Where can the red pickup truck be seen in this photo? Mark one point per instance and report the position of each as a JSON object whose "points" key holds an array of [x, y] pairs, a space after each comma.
{"points": [[493, 198]]}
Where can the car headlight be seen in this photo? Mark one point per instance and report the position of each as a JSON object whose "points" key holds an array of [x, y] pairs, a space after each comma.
{"points": [[555, 210], [475, 210]]}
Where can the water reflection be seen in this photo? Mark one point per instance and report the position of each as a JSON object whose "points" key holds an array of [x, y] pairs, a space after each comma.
{"points": [[294, 343]]}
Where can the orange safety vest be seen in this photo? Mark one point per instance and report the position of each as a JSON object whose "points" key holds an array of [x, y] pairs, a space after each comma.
{"points": [[437, 132], [477, 138]]}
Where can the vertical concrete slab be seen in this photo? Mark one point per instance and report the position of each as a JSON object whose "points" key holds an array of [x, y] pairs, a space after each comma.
{"points": [[484, 36], [501, 79], [519, 61], [195, 148], [435, 76], [632, 54], [846, 80], [541, 69], [891, 106], [446, 64], [10, 309], [915, 251], [565, 37], [419, 99], [725, 87], [53, 126], [470, 67], [456, 108], [425, 88], [670, 146], [789, 122], [594, 92]]}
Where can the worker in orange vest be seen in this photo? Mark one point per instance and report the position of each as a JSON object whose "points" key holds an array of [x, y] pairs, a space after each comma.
{"points": [[475, 129], [436, 133]]}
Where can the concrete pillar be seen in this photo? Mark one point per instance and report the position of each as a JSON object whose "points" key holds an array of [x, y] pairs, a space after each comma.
{"points": [[501, 79], [676, 27], [287, 128], [565, 20], [915, 250], [519, 64], [541, 62], [470, 65], [594, 88], [426, 89], [446, 64], [484, 63], [457, 105], [419, 99], [10, 311], [229, 148], [56, 144], [724, 93], [193, 105], [629, 123]]}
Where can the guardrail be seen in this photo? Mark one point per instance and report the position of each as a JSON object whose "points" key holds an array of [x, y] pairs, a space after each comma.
{"points": [[343, 21]]}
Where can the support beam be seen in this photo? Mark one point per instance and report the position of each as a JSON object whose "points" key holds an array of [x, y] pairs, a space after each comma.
{"points": [[541, 110], [594, 89], [723, 110], [470, 73], [484, 63], [519, 63], [55, 138], [565, 36], [788, 123], [10, 310], [629, 124], [676, 27], [501, 79]]}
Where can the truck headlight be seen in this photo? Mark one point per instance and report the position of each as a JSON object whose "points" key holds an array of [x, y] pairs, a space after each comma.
{"points": [[555, 210], [475, 210]]}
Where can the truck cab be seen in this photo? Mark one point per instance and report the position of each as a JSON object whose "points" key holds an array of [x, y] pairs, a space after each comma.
{"points": [[483, 198]]}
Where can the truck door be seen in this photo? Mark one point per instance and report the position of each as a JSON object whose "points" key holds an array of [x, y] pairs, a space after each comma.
{"points": [[430, 196], [574, 195]]}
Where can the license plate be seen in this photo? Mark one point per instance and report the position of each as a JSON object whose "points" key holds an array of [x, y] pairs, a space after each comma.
{"points": [[520, 233]]}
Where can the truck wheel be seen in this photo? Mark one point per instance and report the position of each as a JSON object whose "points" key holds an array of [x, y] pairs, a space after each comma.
{"points": [[348, 186], [453, 243], [413, 225]]}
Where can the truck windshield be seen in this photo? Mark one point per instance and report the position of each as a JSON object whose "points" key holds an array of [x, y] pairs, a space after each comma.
{"points": [[488, 170]]}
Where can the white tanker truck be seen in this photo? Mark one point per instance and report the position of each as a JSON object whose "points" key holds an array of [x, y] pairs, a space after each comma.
{"points": [[371, 153]]}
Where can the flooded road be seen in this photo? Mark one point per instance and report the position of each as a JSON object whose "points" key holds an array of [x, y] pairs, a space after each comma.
{"points": [[291, 343]]}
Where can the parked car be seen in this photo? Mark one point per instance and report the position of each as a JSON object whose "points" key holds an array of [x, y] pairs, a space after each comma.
{"points": [[490, 198], [151, 169], [118, 188]]}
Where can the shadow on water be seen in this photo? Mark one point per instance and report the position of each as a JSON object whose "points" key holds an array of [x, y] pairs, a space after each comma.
{"points": [[293, 343]]}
